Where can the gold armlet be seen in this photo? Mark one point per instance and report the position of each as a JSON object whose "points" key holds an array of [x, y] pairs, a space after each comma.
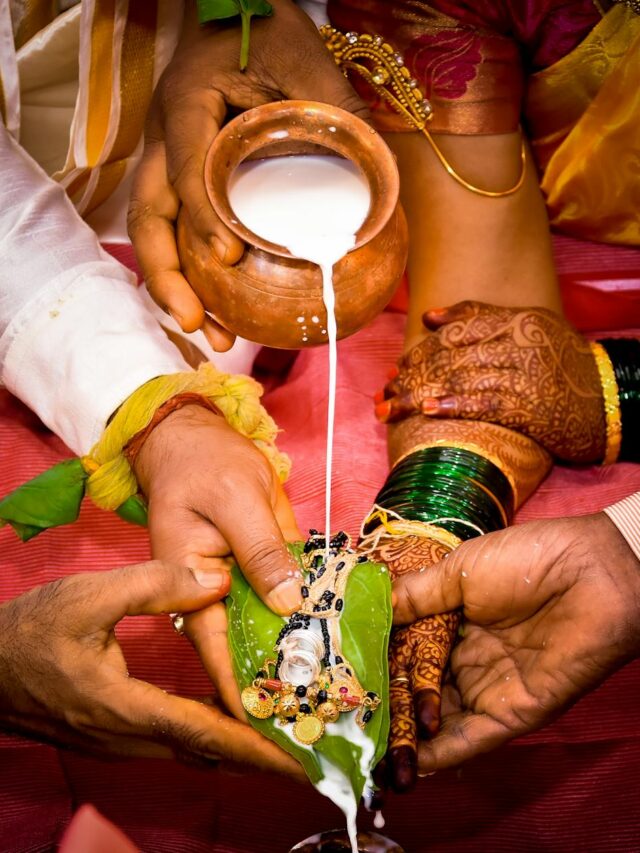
{"points": [[375, 61]]}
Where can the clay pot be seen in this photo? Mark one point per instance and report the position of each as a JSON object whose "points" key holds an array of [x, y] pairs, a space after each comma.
{"points": [[260, 297]]}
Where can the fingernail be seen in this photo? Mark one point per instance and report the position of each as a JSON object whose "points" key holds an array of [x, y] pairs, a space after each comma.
{"points": [[436, 312], [393, 372], [383, 410], [177, 317], [378, 397], [211, 580], [285, 598], [424, 775], [429, 406], [219, 248]]}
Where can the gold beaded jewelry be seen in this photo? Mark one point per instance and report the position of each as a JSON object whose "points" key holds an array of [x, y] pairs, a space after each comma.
{"points": [[611, 403], [329, 689], [375, 61]]}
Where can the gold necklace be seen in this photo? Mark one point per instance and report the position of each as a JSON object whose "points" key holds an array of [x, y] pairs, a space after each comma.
{"points": [[324, 689]]}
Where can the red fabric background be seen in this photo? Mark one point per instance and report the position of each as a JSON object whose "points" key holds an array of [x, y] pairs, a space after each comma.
{"points": [[572, 787]]}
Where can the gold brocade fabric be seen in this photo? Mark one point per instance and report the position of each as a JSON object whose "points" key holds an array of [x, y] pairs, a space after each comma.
{"points": [[583, 116]]}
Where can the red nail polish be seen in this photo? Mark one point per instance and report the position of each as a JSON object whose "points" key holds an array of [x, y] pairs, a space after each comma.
{"points": [[383, 410], [378, 397], [429, 405], [393, 372]]}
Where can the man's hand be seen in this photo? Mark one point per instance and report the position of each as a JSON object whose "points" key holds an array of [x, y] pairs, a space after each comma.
{"points": [[287, 60], [211, 494], [551, 608], [64, 680], [523, 368]]}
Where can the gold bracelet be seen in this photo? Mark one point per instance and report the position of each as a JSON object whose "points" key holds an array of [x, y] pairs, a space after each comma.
{"points": [[610, 394]]}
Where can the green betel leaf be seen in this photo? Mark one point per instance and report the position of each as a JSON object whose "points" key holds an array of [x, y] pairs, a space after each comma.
{"points": [[134, 510], [365, 626], [49, 500], [212, 10]]}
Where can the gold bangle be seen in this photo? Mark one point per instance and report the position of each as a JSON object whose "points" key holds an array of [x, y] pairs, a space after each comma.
{"points": [[611, 398]]}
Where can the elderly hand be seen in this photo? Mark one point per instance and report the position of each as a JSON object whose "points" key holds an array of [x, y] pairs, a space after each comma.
{"points": [[64, 680], [288, 59], [551, 608], [526, 369], [211, 494]]}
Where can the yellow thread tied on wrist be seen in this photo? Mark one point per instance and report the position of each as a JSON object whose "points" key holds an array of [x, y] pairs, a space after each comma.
{"points": [[392, 525], [611, 397], [111, 479]]}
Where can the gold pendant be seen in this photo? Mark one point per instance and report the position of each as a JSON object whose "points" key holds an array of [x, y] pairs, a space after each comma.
{"points": [[328, 712], [257, 702], [308, 729], [287, 706]]}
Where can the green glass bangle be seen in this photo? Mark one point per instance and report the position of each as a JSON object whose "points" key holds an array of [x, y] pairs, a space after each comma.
{"points": [[455, 464], [452, 487], [624, 354]]}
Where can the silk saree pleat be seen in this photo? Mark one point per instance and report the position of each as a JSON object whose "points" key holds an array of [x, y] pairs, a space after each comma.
{"points": [[583, 116]]}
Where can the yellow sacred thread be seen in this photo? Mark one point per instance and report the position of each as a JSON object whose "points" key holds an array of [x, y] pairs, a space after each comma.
{"points": [[111, 479]]}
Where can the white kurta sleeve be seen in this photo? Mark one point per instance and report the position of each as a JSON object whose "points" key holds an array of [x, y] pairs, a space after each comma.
{"points": [[75, 337], [626, 516]]}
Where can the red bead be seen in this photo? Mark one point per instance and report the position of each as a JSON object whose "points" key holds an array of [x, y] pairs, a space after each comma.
{"points": [[272, 684]]}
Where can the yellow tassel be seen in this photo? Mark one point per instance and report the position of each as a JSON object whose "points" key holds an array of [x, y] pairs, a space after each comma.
{"points": [[111, 479]]}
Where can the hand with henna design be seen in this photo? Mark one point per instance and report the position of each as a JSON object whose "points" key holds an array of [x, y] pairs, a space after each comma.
{"points": [[418, 655], [526, 369]]}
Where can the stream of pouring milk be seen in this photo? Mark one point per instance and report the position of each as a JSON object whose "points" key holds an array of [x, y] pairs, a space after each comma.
{"points": [[313, 206]]}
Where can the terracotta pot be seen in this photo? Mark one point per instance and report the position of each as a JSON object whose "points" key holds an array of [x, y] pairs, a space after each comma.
{"points": [[260, 297]]}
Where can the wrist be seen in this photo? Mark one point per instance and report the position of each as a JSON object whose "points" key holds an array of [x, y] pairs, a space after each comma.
{"points": [[611, 558], [158, 444]]}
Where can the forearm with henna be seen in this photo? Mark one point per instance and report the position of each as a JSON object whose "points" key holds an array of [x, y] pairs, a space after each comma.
{"points": [[419, 652]]}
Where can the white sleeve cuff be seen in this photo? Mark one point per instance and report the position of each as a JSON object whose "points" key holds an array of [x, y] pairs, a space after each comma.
{"points": [[626, 516], [76, 352]]}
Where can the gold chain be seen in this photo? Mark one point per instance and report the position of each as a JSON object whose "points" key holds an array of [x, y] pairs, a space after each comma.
{"points": [[375, 61]]}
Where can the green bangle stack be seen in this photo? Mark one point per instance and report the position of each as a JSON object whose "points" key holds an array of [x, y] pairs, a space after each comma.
{"points": [[624, 354], [451, 487]]}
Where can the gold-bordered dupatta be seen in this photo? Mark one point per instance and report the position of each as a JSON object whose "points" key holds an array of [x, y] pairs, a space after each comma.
{"points": [[124, 47], [583, 116]]}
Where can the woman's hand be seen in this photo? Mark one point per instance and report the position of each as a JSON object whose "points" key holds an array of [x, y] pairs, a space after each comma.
{"points": [[551, 609], [288, 59], [212, 494], [418, 655], [526, 369], [64, 680]]}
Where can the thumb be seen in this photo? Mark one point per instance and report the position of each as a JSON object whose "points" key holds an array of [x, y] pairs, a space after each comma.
{"points": [[159, 587], [435, 589], [463, 736], [257, 543]]}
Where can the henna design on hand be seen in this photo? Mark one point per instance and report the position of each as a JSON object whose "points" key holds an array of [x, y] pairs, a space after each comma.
{"points": [[418, 655], [526, 369]]}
